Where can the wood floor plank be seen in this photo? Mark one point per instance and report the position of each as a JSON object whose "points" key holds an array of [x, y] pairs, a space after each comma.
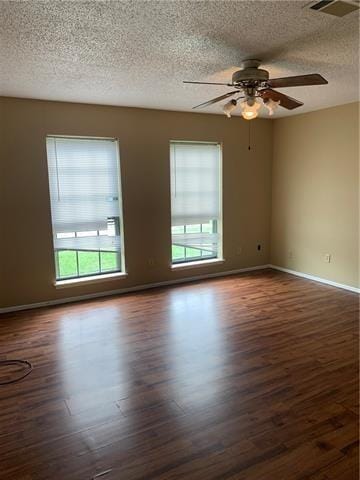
{"points": [[247, 377]]}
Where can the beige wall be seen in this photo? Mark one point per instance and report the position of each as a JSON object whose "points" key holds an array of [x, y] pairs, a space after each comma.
{"points": [[26, 255], [315, 207], [315, 181]]}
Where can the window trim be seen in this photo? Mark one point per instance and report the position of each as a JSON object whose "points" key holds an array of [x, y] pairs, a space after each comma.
{"points": [[196, 263], [74, 282]]}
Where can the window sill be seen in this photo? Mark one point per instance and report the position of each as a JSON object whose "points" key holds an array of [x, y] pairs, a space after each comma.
{"points": [[73, 282], [200, 263]]}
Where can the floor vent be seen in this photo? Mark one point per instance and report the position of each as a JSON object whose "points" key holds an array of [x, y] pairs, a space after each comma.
{"points": [[338, 8]]}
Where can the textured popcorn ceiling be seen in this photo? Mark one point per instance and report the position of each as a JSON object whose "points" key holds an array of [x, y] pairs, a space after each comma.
{"points": [[137, 53]]}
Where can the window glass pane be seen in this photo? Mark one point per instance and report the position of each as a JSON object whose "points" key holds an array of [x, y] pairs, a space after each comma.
{"points": [[193, 252], [195, 246], [84, 179], [193, 228], [65, 235], [67, 263], [88, 263], [92, 233], [109, 261], [178, 229], [206, 227], [178, 252]]}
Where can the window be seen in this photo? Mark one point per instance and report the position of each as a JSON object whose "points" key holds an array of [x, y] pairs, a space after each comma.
{"points": [[84, 180], [195, 201]]}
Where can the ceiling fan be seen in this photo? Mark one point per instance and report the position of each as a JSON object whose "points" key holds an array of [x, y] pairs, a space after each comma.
{"points": [[253, 83]]}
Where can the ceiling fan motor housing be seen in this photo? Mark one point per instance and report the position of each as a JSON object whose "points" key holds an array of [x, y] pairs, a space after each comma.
{"points": [[250, 73]]}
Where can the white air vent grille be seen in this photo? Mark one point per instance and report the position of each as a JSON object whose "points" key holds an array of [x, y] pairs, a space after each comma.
{"points": [[338, 8]]}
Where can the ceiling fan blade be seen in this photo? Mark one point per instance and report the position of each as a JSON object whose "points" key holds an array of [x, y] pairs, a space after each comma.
{"points": [[210, 83], [297, 81], [217, 99], [285, 101]]}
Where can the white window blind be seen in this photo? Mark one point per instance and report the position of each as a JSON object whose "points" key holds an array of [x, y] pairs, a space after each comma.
{"points": [[85, 202], [195, 199]]}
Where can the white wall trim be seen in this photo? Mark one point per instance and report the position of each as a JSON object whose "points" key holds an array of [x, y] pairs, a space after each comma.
{"points": [[137, 288], [316, 279]]}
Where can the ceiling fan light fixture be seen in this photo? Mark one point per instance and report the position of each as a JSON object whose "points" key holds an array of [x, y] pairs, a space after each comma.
{"points": [[250, 109], [271, 105], [229, 107]]}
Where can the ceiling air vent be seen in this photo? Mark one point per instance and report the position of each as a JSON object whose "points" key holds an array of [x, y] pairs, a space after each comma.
{"points": [[338, 8]]}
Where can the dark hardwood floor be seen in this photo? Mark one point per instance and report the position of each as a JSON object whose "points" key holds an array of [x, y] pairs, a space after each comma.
{"points": [[250, 377]]}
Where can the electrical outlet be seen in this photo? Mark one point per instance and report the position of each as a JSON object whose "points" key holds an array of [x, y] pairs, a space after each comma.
{"points": [[151, 262], [327, 257], [291, 254], [239, 251]]}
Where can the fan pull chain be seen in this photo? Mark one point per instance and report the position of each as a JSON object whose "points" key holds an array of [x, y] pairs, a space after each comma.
{"points": [[249, 140]]}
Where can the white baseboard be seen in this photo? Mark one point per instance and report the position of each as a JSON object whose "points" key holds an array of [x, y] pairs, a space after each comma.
{"points": [[316, 279], [165, 283], [137, 288]]}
